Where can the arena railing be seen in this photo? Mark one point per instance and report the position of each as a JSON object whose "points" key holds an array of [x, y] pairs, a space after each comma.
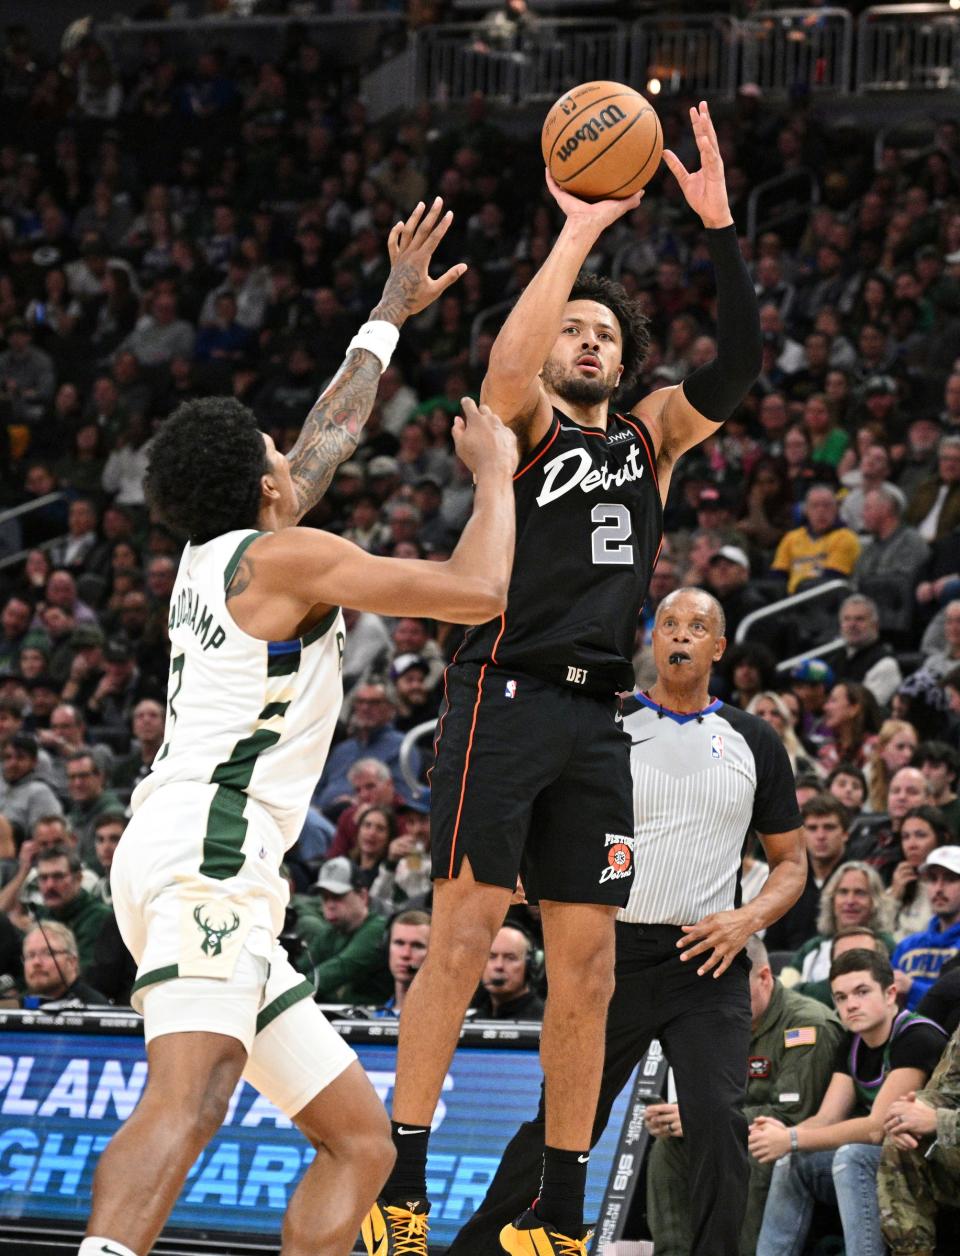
{"points": [[908, 47], [685, 54], [455, 62], [782, 50], [11, 538], [783, 606], [779, 201]]}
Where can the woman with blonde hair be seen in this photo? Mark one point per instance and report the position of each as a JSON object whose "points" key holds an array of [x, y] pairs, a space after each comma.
{"points": [[771, 708], [893, 749]]}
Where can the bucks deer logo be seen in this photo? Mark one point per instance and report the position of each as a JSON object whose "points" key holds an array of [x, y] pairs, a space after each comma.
{"points": [[213, 931]]}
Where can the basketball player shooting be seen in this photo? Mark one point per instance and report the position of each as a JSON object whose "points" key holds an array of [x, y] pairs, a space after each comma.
{"points": [[532, 770], [256, 640]]}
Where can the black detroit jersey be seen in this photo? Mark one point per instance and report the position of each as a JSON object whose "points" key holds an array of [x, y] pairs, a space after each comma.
{"points": [[589, 527]]}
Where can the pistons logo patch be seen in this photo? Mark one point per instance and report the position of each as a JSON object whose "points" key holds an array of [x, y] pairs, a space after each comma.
{"points": [[619, 858]]}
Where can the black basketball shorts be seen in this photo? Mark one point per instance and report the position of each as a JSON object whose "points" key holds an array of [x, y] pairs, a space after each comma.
{"points": [[531, 777]]}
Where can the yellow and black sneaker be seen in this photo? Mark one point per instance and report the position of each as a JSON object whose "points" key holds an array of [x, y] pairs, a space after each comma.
{"points": [[530, 1236], [395, 1229]]}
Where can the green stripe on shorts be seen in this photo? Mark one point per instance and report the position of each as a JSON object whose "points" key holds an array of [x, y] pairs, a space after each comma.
{"points": [[226, 830], [156, 974], [280, 1004]]}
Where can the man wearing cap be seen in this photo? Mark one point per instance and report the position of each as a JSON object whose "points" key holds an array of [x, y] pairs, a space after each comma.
{"points": [[415, 701], [866, 660], [918, 959], [111, 703], [728, 579], [344, 939], [383, 475], [24, 797], [810, 681]]}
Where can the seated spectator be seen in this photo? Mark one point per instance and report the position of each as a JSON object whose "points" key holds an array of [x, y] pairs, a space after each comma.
{"points": [[417, 702], [751, 669], [376, 829], [768, 497], [372, 785], [896, 550], [811, 681], [160, 335], [934, 508], [67, 735], [771, 708], [89, 799], [819, 550], [941, 1003], [853, 896], [873, 473], [940, 764], [875, 838], [81, 548], [372, 735], [920, 1164], [865, 658], [828, 440], [833, 1156], [918, 959], [408, 937], [110, 707], [51, 969], [404, 874], [728, 579], [849, 938], [793, 1047], [825, 837], [849, 786], [412, 636], [894, 747], [507, 983], [22, 894], [107, 832], [15, 621], [149, 718], [921, 832], [344, 941], [24, 797], [60, 877], [851, 717]]}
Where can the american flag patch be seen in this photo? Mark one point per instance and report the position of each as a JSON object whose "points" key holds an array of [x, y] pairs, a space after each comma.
{"points": [[803, 1037]]}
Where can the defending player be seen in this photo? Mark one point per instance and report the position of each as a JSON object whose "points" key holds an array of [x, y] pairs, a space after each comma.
{"points": [[256, 640], [532, 769]]}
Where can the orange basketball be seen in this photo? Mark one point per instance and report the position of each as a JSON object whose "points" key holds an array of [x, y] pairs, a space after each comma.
{"points": [[602, 140]]}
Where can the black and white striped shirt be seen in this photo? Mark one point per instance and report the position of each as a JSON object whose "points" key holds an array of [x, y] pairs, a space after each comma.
{"points": [[701, 782]]}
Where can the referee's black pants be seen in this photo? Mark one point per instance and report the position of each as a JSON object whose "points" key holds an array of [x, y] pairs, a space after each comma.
{"points": [[703, 1025]]}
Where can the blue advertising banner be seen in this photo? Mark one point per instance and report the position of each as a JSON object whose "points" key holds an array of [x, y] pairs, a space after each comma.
{"points": [[62, 1095]]}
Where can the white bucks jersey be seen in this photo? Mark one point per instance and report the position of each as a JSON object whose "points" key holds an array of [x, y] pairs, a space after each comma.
{"points": [[254, 718]]}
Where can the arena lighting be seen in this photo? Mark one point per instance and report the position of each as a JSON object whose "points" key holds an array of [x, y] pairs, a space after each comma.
{"points": [[653, 85], [955, 4]]}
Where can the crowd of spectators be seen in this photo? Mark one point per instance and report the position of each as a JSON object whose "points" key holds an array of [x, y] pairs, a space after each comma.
{"points": [[219, 226]]}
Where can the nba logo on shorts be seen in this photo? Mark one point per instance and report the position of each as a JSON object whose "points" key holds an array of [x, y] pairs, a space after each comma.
{"points": [[510, 689], [716, 746]]}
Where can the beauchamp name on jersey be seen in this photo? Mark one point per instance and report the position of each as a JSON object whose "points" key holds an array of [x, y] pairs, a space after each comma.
{"points": [[589, 527], [253, 718]]}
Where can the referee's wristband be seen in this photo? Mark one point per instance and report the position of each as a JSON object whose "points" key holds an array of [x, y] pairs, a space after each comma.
{"points": [[379, 338], [794, 1139]]}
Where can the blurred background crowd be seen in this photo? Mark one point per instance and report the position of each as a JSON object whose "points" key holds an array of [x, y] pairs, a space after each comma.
{"points": [[210, 224]]}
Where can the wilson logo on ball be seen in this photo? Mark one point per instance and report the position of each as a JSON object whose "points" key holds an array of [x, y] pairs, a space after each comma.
{"points": [[591, 130]]}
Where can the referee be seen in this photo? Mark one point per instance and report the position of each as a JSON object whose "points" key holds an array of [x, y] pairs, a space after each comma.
{"points": [[704, 774]]}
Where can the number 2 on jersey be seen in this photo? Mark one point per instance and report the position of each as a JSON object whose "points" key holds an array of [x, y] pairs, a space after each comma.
{"points": [[607, 541]]}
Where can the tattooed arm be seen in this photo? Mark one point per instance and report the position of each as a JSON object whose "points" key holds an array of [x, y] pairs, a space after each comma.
{"points": [[333, 427]]}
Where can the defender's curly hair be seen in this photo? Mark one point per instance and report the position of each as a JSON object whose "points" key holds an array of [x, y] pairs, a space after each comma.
{"points": [[634, 325], [203, 477]]}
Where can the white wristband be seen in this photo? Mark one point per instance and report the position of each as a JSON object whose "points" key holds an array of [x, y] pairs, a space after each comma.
{"points": [[379, 338]]}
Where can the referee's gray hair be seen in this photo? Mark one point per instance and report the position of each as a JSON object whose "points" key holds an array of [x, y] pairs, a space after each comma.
{"points": [[756, 952], [694, 588]]}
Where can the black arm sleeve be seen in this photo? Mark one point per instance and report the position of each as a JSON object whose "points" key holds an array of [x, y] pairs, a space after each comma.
{"points": [[718, 388]]}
